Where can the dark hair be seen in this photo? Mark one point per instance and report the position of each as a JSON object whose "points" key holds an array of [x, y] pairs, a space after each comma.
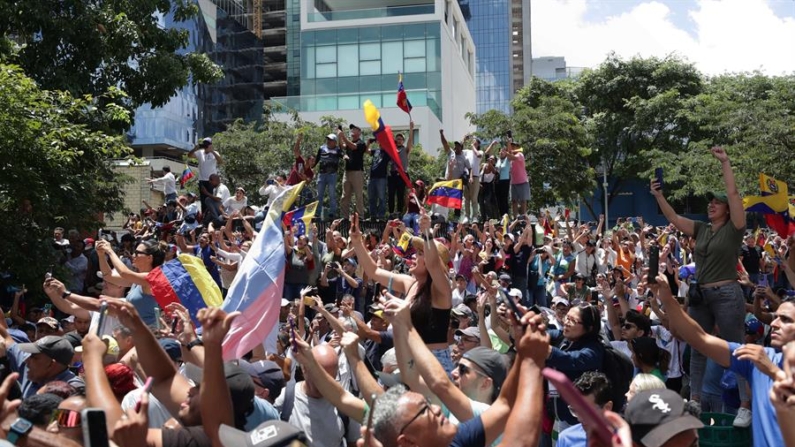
{"points": [[597, 384], [166, 169], [39, 408], [638, 319], [60, 388], [648, 353], [591, 321], [153, 248]]}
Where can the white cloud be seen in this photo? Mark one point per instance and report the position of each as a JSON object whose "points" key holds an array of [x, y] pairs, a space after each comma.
{"points": [[728, 35]]}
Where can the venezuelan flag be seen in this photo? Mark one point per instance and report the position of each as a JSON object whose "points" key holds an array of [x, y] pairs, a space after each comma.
{"points": [[773, 199], [404, 248], [187, 174], [402, 100], [383, 134], [300, 217], [184, 280], [447, 194], [257, 289]]}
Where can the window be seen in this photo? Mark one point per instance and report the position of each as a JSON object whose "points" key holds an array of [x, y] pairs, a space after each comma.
{"points": [[326, 54], [367, 68], [348, 57], [369, 52], [393, 63], [326, 70]]}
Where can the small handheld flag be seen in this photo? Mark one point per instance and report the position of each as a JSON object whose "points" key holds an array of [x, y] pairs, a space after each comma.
{"points": [[404, 248], [300, 217], [187, 174], [184, 280], [447, 194], [383, 134], [402, 99]]}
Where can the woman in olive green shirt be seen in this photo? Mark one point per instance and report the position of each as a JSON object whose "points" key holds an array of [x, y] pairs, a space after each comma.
{"points": [[716, 255]]}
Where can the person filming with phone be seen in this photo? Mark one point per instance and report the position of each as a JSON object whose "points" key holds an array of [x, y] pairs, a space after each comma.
{"points": [[717, 298]]}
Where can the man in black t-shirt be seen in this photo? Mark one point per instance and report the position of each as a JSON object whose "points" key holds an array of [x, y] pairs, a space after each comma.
{"points": [[751, 256], [376, 189], [328, 157], [353, 181]]}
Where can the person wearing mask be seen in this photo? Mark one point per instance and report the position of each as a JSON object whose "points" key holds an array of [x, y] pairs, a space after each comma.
{"points": [[717, 299], [209, 160], [353, 180], [396, 188], [328, 157]]}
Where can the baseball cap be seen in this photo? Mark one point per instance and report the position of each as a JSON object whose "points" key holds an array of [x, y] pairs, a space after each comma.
{"points": [[721, 196], [353, 126], [655, 416], [285, 302], [240, 188], [273, 433], [113, 346], [470, 298], [505, 277], [88, 242], [190, 194], [352, 262], [379, 314], [241, 387], [559, 300], [331, 136], [172, 348], [56, 347], [49, 321], [74, 339], [207, 141], [331, 308], [462, 310], [754, 327], [491, 362], [268, 373], [515, 293], [471, 331]]}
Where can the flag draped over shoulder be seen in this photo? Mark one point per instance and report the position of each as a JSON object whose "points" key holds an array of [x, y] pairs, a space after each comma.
{"points": [[402, 99], [383, 134], [256, 291], [187, 174], [184, 280], [447, 194], [300, 217]]}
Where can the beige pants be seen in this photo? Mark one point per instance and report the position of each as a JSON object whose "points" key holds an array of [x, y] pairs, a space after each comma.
{"points": [[352, 183], [471, 207]]}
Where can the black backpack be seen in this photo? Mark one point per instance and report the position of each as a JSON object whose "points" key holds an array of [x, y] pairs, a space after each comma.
{"points": [[619, 370]]}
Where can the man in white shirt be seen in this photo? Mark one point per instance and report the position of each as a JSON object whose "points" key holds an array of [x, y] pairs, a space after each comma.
{"points": [[471, 191], [272, 189], [214, 203], [209, 160], [168, 182]]}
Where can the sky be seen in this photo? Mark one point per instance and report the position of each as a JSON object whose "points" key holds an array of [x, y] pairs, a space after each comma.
{"points": [[719, 36]]}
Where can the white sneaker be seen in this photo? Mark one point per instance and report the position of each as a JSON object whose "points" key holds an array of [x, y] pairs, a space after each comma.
{"points": [[743, 418]]}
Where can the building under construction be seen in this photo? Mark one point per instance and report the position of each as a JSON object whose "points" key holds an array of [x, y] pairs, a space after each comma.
{"points": [[248, 39]]}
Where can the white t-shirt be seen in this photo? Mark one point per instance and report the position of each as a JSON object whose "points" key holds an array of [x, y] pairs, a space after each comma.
{"points": [[208, 164], [169, 183], [319, 420], [474, 161], [623, 347], [232, 204], [458, 297], [272, 192], [222, 192], [675, 347], [158, 415]]}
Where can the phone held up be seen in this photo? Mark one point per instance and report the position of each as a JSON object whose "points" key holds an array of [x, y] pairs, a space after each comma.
{"points": [[95, 431]]}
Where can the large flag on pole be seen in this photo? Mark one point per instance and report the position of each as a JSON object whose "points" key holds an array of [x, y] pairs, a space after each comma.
{"points": [[773, 198], [402, 99], [257, 289], [383, 134], [447, 194]]}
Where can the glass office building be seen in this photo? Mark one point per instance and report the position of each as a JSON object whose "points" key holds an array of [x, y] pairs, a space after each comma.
{"points": [[341, 68], [489, 25]]}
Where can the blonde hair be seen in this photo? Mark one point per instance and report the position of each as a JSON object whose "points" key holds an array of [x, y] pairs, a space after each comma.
{"points": [[647, 382]]}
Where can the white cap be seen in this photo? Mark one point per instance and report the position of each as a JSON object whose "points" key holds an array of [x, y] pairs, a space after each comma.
{"points": [[515, 292], [285, 302], [560, 300], [331, 136]]}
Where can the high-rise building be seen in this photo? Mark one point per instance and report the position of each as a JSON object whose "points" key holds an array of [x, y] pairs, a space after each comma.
{"points": [[554, 69], [351, 51], [501, 32]]}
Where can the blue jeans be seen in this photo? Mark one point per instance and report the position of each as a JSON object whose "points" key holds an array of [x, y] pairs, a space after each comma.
{"points": [[724, 306], [537, 296], [412, 220], [327, 181], [376, 194]]}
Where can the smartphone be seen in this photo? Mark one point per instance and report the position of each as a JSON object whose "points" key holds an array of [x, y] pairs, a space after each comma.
{"points": [[762, 281], [147, 389], [308, 301], [518, 313], [589, 414], [658, 176], [510, 134], [370, 418], [394, 224], [157, 318], [95, 430], [103, 312], [594, 296], [654, 264], [48, 275], [174, 321]]}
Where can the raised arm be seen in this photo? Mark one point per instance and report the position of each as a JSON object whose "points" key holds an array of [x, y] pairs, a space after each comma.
{"points": [[683, 224], [367, 384], [344, 401], [445, 145], [215, 325], [98, 391], [399, 283], [333, 321], [690, 331], [736, 210], [443, 298], [612, 315], [410, 142], [55, 291], [103, 248], [297, 145]]}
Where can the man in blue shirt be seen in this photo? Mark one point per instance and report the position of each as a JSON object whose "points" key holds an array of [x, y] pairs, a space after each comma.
{"points": [[268, 381], [755, 363], [595, 387], [39, 363]]}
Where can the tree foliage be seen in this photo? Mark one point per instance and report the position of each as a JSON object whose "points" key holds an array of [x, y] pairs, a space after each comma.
{"points": [[54, 169], [90, 47]]}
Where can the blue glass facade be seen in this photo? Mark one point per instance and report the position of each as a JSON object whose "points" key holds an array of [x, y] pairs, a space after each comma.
{"points": [[489, 24], [340, 68]]}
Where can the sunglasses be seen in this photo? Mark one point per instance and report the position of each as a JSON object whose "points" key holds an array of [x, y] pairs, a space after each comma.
{"points": [[140, 253], [628, 326], [465, 369], [67, 418]]}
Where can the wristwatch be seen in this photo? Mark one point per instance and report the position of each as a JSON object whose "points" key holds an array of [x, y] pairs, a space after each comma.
{"points": [[19, 428], [193, 344], [66, 294]]}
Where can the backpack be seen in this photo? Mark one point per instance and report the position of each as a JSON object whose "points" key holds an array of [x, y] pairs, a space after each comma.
{"points": [[619, 370]]}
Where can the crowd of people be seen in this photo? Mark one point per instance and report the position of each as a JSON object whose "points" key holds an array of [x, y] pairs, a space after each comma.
{"points": [[430, 330]]}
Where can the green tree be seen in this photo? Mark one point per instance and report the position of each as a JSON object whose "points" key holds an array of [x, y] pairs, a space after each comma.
{"points": [[91, 47], [546, 123], [634, 108], [55, 170], [753, 117]]}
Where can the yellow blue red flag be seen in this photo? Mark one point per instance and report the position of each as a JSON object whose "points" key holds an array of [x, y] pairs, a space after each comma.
{"points": [[447, 194]]}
